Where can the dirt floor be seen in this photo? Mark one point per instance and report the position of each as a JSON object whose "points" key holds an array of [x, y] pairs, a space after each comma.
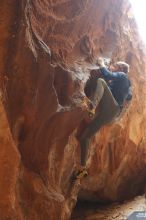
{"points": [[88, 211]]}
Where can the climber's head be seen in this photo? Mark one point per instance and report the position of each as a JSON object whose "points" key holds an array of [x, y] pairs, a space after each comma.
{"points": [[120, 66]]}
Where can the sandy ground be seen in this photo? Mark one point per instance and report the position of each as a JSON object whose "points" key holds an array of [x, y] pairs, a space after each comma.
{"points": [[88, 211]]}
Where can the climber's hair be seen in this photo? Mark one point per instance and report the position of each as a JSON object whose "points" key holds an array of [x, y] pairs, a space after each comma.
{"points": [[124, 67]]}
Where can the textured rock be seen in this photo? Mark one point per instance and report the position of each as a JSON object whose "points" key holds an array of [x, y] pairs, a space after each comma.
{"points": [[47, 49], [9, 171]]}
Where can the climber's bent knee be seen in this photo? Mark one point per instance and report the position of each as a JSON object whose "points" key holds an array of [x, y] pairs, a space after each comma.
{"points": [[102, 81]]}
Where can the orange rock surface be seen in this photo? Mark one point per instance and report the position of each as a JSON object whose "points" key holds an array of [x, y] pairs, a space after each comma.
{"points": [[47, 50]]}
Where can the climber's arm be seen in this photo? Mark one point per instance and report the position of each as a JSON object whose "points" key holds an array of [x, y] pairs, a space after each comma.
{"points": [[109, 75], [105, 72]]}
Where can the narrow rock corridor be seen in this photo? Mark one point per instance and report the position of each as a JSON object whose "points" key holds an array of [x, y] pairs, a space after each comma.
{"points": [[49, 53], [88, 211]]}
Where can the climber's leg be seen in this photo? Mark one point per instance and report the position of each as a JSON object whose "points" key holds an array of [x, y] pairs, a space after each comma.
{"points": [[97, 96], [99, 90], [109, 109]]}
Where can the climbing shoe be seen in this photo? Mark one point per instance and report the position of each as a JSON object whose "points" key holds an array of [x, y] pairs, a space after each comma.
{"points": [[91, 113], [91, 109], [80, 174], [87, 104]]}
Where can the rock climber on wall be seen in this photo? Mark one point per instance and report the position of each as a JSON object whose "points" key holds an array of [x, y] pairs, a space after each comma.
{"points": [[112, 93]]}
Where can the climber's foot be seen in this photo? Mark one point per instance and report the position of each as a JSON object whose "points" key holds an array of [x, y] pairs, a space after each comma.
{"points": [[80, 173], [85, 103], [91, 113], [91, 109]]}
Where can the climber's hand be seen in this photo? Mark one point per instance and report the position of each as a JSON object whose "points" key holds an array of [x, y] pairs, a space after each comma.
{"points": [[100, 62]]}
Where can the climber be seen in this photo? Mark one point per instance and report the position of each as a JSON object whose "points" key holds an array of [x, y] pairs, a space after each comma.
{"points": [[111, 95]]}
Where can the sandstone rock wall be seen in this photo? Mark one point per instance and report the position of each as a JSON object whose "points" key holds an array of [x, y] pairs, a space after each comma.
{"points": [[47, 49]]}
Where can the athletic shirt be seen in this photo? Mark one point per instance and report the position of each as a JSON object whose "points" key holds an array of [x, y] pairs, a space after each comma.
{"points": [[119, 85]]}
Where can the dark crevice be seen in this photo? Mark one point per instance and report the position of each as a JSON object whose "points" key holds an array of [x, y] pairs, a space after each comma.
{"points": [[64, 86]]}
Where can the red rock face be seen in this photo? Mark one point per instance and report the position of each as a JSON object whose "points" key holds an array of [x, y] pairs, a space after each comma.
{"points": [[47, 50]]}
